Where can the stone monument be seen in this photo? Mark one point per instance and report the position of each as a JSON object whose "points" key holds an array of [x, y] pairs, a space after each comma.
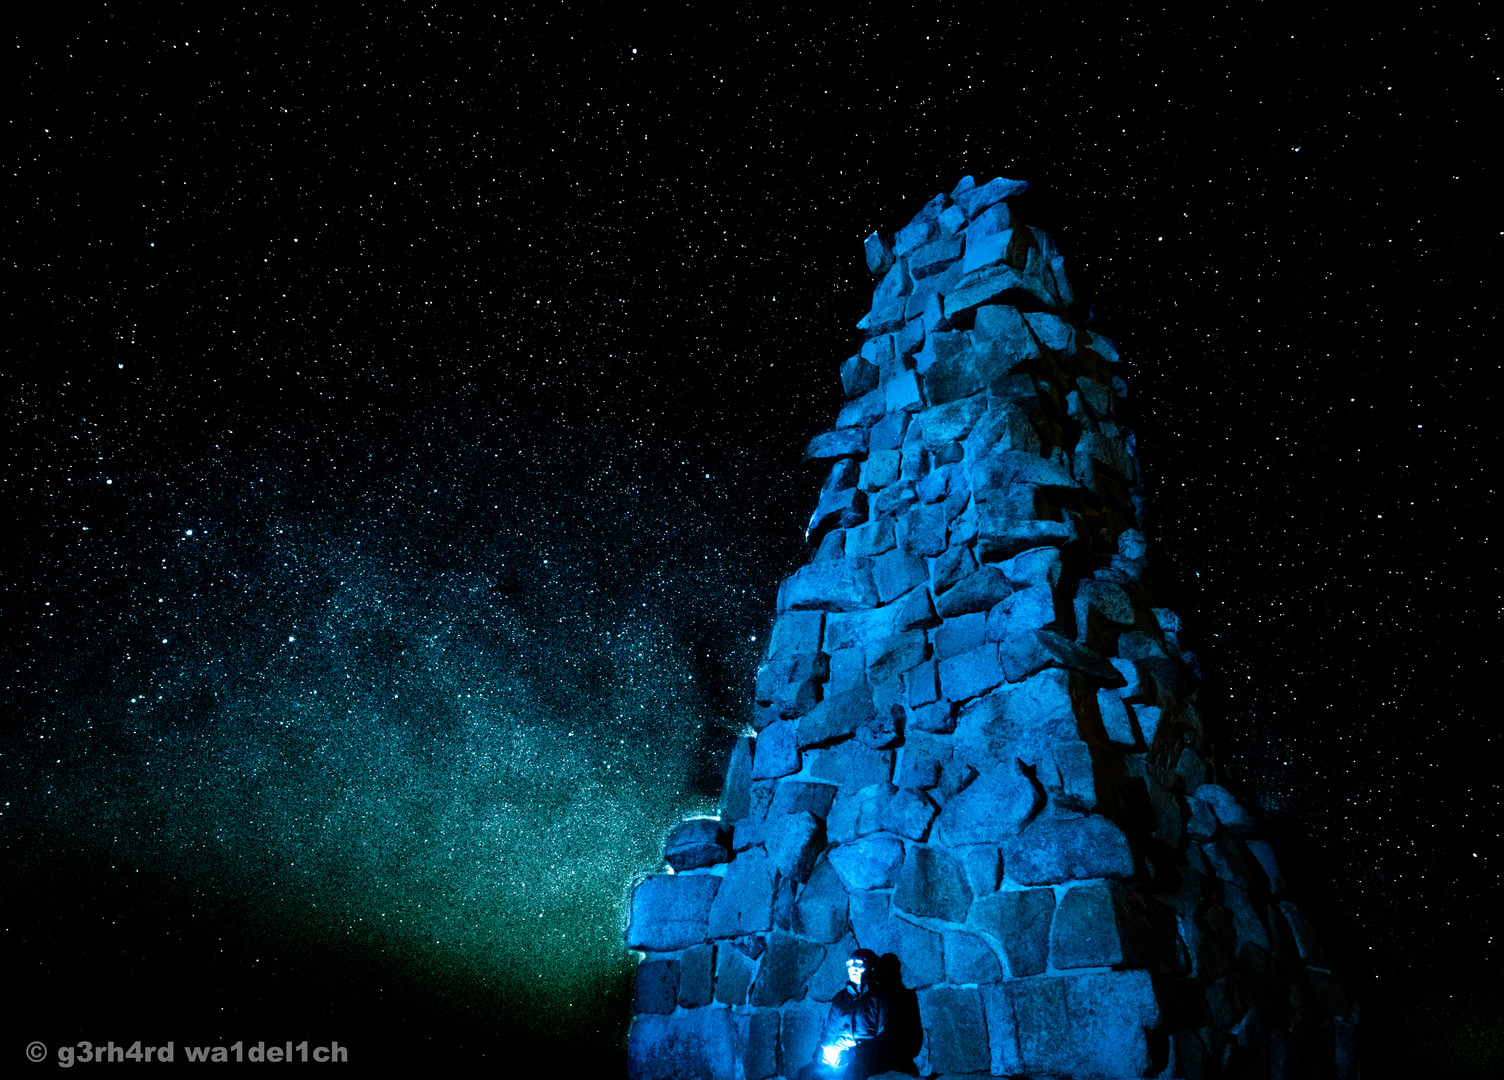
{"points": [[977, 747]]}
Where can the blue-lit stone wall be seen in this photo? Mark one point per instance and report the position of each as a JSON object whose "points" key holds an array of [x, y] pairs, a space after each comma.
{"points": [[977, 741]]}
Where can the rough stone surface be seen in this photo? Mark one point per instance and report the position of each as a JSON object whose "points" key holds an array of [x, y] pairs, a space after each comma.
{"points": [[932, 884], [1019, 921], [696, 843], [744, 903], [798, 1035], [696, 976], [969, 959], [1068, 850], [657, 989], [1085, 1025], [979, 742], [757, 1036], [995, 806], [671, 912], [953, 1020], [784, 969], [733, 975], [871, 862], [820, 911], [700, 1045]]}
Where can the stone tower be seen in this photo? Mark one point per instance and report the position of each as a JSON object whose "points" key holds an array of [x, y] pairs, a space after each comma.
{"points": [[977, 742]]}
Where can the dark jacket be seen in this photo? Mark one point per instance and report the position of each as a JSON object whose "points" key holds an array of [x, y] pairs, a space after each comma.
{"points": [[863, 1014]]}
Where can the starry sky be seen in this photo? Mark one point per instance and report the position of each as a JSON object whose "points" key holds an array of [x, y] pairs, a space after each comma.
{"points": [[402, 418]]}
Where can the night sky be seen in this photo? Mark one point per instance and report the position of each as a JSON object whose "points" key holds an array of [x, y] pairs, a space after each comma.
{"points": [[402, 422]]}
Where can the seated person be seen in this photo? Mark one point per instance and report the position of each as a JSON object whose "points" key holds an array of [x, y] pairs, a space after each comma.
{"points": [[854, 1044]]}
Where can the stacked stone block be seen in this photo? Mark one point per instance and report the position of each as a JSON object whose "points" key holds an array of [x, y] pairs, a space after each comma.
{"points": [[976, 743]]}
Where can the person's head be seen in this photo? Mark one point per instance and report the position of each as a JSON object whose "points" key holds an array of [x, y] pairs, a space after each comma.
{"points": [[861, 965]]}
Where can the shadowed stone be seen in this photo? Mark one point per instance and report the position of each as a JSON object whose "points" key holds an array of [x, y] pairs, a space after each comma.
{"points": [[1106, 925], [1306, 943], [1084, 1025], [1022, 656], [1108, 600], [699, 1045], [671, 911], [888, 300], [1069, 776], [1013, 523], [1234, 818], [1079, 658], [736, 792], [696, 843], [1019, 921], [757, 1032], [696, 976], [657, 986], [1264, 853], [920, 951]]}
